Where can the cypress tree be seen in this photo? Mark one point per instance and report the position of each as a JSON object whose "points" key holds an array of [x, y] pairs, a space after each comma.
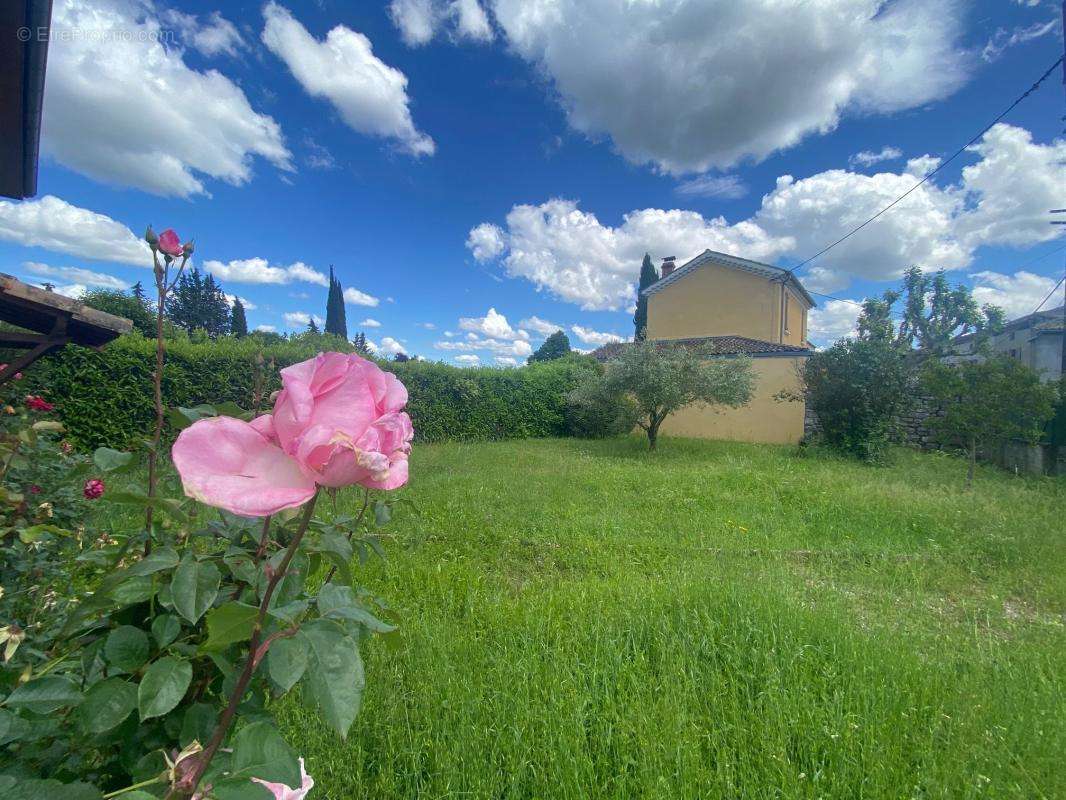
{"points": [[312, 327], [648, 276], [336, 323], [238, 325], [138, 292]]}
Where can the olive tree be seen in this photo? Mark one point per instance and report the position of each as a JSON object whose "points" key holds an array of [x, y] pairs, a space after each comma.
{"points": [[988, 401], [661, 378]]}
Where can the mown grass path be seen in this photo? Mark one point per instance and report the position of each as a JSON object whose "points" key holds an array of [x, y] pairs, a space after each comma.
{"points": [[587, 620]]}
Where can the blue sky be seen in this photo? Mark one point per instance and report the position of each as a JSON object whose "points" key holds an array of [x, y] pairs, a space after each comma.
{"points": [[452, 157]]}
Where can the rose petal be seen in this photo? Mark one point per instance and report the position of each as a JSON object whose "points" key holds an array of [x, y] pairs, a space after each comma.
{"points": [[226, 463]]}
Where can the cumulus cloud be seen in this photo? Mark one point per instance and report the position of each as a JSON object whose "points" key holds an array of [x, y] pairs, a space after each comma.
{"points": [[728, 187], [127, 110], [266, 328], [472, 343], [78, 275], [597, 338], [370, 323], [507, 361], [300, 319], [1016, 294], [57, 225], [357, 298], [420, 20], [468, 359], [391, 347], [486, 241], [370, 95], [867, 158], [493, 325], [832, 320], [259, 270], [217, 36], [248, 304], [720, 81], [1002, 199], [541, 327]]}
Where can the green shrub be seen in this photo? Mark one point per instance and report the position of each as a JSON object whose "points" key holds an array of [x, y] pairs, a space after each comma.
{"points": [[856, 389], [595, 412], [102, 396]]}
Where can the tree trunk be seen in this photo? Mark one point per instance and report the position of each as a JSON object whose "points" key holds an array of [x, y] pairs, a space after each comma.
{"points": [[653, 434], [973, 462]]}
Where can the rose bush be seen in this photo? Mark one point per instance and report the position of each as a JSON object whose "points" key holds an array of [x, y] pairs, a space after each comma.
{"points": [[141, 659]]}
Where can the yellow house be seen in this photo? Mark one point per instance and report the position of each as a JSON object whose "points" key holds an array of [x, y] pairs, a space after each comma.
{"points": [[732, 307]]}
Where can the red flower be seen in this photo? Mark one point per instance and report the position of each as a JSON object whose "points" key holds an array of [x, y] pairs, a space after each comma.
{"points": [[35, 489], [37, 403], [94, 488], [170, 243]]}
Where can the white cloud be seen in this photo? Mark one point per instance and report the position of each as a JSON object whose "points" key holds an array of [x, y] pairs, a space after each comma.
{"points": [[318, 156], [1016, 294], [266, 328], [692, 84], [248, 304], [73, 290], [541, 327], [217, 36], [832, 320], [493, 325], [520, 347], [420, 20], [728, 187], [597, 338], [259, 270], [868, 158], [391, 347], [486, 241], [450, 334], [572, 254], [468, 359], [357, 298], [504, 361], [370, 95], [126, 109], [370, 323], [57, 225], [429, 326], [299, 319], [1002, 199], [1003, 39], [83, 277]]}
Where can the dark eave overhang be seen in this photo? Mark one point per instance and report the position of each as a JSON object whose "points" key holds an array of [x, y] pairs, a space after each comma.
{"points": [[24, 28]]}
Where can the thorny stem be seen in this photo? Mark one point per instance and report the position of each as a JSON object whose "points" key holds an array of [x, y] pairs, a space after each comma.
{"points": [[351, 533], [260, 551], [254, 655]]}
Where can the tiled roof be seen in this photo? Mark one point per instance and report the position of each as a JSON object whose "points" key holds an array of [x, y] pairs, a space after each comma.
{"points": [[713, 345], [735, 262]]}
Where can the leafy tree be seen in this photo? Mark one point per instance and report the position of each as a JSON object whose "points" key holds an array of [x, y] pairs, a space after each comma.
{"points": [[661, 380], [987, 401], [401, 358], [121, 304], [198, 302], [312, 327], [648, 276], [336, 321], [933, 313], [238, 319], [856, 388], [594, 412], [555, 346]]}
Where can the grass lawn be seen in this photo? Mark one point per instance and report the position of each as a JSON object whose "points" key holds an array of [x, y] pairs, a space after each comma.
{"points": [[588, 620]]}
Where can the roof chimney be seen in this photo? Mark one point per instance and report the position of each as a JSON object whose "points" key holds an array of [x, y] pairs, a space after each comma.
{"points": [[669, 263]]}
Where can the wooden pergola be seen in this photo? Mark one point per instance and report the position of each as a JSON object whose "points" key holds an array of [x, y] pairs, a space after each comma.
{"points": [[50, 321]]}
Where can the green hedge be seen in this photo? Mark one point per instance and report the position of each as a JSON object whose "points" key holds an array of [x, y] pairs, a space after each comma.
{"points": [[105, 397]]}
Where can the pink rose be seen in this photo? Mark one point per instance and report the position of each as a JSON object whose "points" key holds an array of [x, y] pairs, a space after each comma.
{"points": [[170, 243], [338, 421], [282, 792], [94, 489]]}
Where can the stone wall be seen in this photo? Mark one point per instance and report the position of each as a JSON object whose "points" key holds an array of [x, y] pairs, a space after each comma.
{"points": [[911, 428]]}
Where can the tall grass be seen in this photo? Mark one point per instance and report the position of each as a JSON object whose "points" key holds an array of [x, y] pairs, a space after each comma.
{"points": [[586, 620]]}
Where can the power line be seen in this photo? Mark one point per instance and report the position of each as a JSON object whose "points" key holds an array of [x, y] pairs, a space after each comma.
{"points": [[942, 164], [1057, 285]]}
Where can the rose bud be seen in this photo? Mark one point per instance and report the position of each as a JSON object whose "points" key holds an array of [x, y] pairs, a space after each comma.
{"points": [[151, 238], [169, 243]]}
